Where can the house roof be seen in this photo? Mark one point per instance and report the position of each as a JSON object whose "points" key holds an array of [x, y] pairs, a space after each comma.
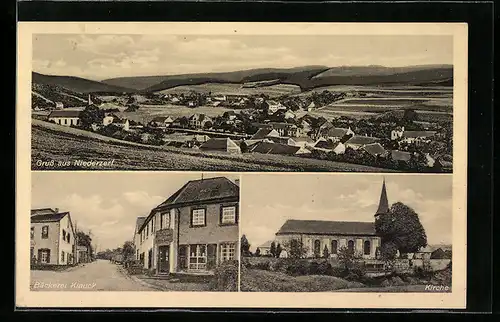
{"points": [[65, 113], [267, 244], [335, 132], [326, 144], [361, 140], [219, 144], [48, 217], [281, 125], [201, 117], [400, 155], [202, 190], [418, 134], [160, 119], [323, 227], [274, 148], [140, 221], [42, 211], [262, 133], [304, 139], [374, 149], [280, 139], [262, 125]]}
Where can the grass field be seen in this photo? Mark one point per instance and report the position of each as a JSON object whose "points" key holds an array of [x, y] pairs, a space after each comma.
{"points": [[59, 143], [255, 280], [225, 89]]}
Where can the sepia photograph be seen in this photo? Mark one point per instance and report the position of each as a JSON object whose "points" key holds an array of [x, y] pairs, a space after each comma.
{"points": [[218, 102], [359, 233], [134, 232]]}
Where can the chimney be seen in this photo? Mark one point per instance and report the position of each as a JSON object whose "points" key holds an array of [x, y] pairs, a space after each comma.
{"points": [[56, 210], [237, 182]]}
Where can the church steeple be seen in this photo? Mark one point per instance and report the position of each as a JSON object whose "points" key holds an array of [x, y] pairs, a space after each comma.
{"points": [[383, 205]]}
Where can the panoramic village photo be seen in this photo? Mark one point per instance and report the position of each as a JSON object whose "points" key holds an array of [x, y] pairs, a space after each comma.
{"points": [[346, 233], [323, 103], [102, 231]]}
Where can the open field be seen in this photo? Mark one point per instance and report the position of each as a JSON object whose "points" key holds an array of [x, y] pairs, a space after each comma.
{"points": [[59, 143], [147, 112], [228, 89]]}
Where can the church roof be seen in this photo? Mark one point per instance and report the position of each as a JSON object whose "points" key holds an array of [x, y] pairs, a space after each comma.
{"points": [[323, 227], [383, 205]]}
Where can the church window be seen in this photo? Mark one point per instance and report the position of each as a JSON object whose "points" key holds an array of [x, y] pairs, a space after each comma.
{"points": [[350, 245], [334, 247], [367, 247]]}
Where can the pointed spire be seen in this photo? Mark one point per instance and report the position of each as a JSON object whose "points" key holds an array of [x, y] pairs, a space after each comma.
{"points": [[383, 205]]}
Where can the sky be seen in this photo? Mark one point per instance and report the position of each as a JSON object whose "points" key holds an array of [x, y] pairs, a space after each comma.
{"points": [[269, 200], [108, 203], [100, 57]]}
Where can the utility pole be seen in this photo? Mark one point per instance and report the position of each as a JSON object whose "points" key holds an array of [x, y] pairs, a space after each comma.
{"points": [[76, 242]]}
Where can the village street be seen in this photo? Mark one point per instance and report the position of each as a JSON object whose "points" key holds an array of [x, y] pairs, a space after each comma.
{"points": [[100, 275]]}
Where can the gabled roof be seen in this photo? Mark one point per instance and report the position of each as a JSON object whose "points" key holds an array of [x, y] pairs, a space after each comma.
{"points": [[335, 132], [42, 211], [400, 155], [140, 221], [161, 119], [267, 244], [201, 117], [274, 148], [263, 133], [65, 113], [375, 149], [281, 125], [323, 227], [361, 140], [326, 144], [202, 190], [219, 144], [418, 134], [48, 217]]}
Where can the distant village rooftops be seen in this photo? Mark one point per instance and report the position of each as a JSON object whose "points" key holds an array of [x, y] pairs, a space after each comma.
{"points": [[361, 140], [274, 148], [323, 227], [263, 133], [418, 134]]}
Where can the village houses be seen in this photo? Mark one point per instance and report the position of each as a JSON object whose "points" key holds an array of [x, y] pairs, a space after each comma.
{"points": [[192, 231], [65, 117], [52, 239], [199, 121]]}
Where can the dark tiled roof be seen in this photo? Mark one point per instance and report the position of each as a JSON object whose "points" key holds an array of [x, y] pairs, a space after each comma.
{"points": [[374, 149], [140, 221], [400, 155], [323, 227], [42, 211], [261, 133], [418, 134], [65, 113], [203, 190], [224, 144], [280, 125], [48, 217], [274, 148], [335, 132], [328, 144], [160, 119], [358, 139]]}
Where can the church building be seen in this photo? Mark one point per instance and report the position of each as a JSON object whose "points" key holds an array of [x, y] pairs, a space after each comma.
{"points": [[316, 235]]}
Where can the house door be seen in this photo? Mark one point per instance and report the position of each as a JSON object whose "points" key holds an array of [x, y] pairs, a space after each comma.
{"points": [[150, 258], [163, 259]]}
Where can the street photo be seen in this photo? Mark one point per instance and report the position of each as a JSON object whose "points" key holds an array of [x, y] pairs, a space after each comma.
{"points": [[134, 232], [231, 102], [346, 233]]}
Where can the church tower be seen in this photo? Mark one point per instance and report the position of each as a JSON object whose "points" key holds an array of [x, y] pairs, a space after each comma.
{"points": [[383, 205]]}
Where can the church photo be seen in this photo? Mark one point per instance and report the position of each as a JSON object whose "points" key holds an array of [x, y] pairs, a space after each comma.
{"points": [[346, 233]]}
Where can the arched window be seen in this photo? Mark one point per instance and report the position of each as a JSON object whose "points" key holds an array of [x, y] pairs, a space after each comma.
{"points": [[367, 247], [334, 246], [317, 248], [350, 245]]}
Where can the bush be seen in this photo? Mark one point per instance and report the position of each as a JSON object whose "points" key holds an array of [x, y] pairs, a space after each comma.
{"points": [[298, 267], [226, 277], [265, 265], [325, 268]]}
